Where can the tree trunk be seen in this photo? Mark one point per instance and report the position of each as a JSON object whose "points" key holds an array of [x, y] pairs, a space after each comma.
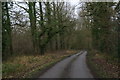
{"points": [[7, 48], [32, 16], [42, 50], [1, 39], [9, 31]]}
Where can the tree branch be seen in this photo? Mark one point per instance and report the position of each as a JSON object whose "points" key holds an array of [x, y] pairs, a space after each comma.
{"points": [[22, 7]]}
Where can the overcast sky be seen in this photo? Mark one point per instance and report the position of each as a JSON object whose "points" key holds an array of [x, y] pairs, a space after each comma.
{"points": [[74, 1]]}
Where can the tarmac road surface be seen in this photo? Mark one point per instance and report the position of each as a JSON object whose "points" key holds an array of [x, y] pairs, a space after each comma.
{"points": [[72, 67]]}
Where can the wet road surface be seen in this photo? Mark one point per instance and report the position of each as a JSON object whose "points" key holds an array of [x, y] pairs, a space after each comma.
{"points": [[72, 67]]}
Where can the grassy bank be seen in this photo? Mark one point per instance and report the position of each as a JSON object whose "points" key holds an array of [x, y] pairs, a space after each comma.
{"points": [[25, 66], [103, 65]]}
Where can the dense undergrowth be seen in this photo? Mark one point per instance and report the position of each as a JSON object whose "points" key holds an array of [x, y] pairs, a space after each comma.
{"points": [[103, 65]]}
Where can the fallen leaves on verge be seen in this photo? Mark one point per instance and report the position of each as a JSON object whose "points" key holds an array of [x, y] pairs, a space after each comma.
{"points": [[17, 66], [106, 65]]}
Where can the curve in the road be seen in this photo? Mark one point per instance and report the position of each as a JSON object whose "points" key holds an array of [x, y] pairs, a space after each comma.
{"points": [[72, 67]]}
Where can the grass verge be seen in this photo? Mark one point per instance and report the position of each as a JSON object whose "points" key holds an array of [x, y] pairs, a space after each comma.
{"points": [[29, 66]]}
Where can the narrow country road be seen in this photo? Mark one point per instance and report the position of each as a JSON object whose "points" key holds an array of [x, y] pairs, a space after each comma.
{"points": [[71, 67]]}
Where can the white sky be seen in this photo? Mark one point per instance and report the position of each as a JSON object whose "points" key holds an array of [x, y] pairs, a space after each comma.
{"points": [[74, 1]]}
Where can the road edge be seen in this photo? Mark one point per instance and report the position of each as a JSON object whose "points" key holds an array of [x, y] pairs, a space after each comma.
{"points": [[90, 66], [39, 71]]}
